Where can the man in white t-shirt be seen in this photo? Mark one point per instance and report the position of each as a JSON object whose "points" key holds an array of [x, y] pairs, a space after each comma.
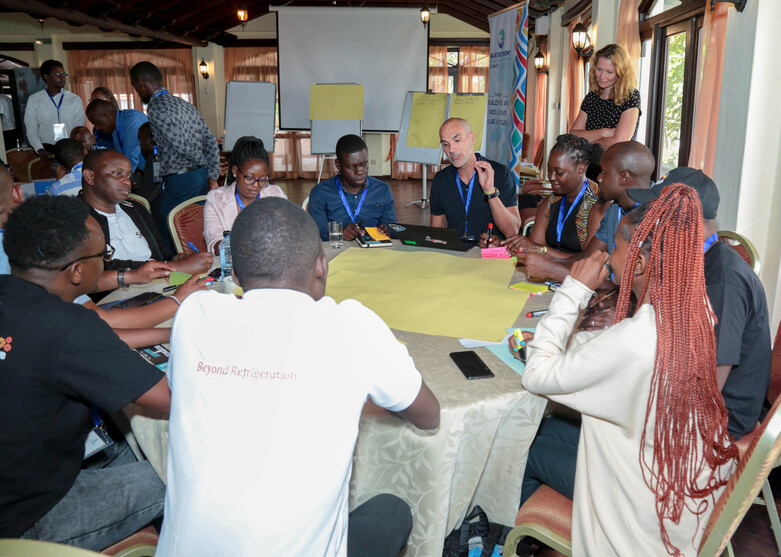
{"points": [[267, 398]]}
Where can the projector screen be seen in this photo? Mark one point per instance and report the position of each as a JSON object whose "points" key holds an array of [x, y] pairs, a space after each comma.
{"points": [[384, 49]]}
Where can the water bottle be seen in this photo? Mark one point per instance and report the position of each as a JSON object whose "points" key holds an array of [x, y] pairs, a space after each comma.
{"points": [[226, 262]]}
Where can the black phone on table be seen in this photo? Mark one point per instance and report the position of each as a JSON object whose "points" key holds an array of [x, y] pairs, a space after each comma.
{"points": [[471, 365]]}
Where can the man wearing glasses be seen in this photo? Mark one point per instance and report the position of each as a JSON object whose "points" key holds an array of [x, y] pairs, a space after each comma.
{"points": [[60, 364], [127, 225], [352, 197], [52, 113]]}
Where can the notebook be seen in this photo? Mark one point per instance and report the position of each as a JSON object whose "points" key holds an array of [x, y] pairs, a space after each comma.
{"points": [[373, 238]]}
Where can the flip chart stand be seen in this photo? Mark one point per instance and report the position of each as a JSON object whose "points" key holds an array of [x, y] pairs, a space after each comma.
{"points": [[423, 200]]}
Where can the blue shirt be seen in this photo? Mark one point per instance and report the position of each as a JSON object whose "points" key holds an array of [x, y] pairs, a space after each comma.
{"points": [[125, 135], [5, 267], [325, 204], [609, 226], [70, 184]]}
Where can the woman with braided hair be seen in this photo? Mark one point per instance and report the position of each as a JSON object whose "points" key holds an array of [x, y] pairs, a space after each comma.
{"points": [[654, 452]]}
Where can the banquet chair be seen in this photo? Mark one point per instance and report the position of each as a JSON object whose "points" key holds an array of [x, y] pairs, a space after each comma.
{"points": [[305, 204], [185, 222], [39, 169], [141, 544], [743, 246], [547, 515], [142, 200], [35, 548], [527, 227], [18, 159]]}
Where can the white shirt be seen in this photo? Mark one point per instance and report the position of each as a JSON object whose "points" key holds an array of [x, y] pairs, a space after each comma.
{"points": [[7, 113], [41, 115], [267, 393], [126, 238], [606, 375]]}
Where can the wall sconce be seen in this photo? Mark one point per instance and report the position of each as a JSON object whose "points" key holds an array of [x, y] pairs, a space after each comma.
{"points": [[425, 15], [243, 16], [539, 63], [580, 38], [204, 69], [739, 4]]}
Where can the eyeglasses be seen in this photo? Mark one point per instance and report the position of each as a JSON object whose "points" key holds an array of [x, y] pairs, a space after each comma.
{"points": [[59, 74], [107, 254], [251, 180]]}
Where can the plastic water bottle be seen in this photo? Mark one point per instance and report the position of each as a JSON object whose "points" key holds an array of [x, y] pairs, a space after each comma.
{"points": [[226, 259]]}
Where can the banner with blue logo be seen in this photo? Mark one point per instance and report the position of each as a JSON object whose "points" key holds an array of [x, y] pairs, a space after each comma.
{"points": [[507, 86]]}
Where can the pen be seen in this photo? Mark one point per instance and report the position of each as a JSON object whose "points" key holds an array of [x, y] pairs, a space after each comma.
{"points": [[192, 247], [538, 313], [519, 342], [488, 234], [170, 288]]}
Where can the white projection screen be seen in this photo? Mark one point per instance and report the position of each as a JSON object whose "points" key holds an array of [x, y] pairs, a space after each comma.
{"points": [[384, 49]]}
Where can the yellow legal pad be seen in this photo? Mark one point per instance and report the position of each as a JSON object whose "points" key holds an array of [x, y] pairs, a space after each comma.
{"points": [[430, 293], [472, 109], [338, 101], [426, 115]]}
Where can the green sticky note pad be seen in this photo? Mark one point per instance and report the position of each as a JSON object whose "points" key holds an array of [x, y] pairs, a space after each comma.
{"points": [[176, 278]]}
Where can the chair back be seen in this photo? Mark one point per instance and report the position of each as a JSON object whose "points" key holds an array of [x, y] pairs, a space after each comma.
{"points": [[142, 200], [39, 169], [18, 159], [775, 368], [35, 548], [185, 222], [305, 204], [745, 484], [743, 246]]}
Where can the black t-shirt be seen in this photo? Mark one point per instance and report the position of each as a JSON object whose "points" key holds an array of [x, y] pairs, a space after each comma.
{"points": [[58, 359], [742, 335], [570, 241], [445, 199], [603, 113]]}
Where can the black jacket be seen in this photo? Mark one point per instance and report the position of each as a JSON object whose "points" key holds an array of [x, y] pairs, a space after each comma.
{"points": [[145, 224]]}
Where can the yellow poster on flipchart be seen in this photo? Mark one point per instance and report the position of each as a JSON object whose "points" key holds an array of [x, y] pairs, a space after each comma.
{"points": [[472, 109], [426, 115], [336, 102]]}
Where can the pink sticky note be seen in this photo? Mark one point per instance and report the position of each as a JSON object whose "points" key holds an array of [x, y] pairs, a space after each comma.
{"points": [[494, 253]]}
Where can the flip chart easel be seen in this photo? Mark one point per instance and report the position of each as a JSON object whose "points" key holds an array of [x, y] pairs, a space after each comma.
{"points": [[419, 135], [250, 109], [335, 109]]}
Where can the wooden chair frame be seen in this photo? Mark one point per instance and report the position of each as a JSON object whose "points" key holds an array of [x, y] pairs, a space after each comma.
{"points": [[172, 214]]}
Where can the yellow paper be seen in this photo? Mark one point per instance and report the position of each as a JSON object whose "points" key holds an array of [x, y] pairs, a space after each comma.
{"points": [[375, 233], [430, 293], [530, 287], [336, 102], [426, 115], [176, 278], [472, 109]]}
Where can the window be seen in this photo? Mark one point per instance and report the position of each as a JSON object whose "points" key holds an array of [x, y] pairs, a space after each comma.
{"points": [[668, 75], [458, 69]]}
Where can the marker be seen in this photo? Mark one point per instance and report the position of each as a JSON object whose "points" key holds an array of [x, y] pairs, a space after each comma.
{"points": [[538, 313], [170, 288], [519, 342], [488, 234], [192, 247]]}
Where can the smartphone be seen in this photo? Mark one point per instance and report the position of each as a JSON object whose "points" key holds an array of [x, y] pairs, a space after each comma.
{"points": [[471, 365]]}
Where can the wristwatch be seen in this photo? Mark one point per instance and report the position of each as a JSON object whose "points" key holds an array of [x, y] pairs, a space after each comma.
{"points": [[491, 195], [121, 278]]}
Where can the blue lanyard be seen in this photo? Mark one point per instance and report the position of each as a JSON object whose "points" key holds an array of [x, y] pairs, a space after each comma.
{"points": [[468, 199], [239, 201], [160, 92], [96, 419], [347, 205], [712, 239], [56, 105], [118, 129], [562, 218], [620, 216]]}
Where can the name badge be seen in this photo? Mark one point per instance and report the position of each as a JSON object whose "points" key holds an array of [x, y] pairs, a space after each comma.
{"points": [[59, 131], [97, 440]]}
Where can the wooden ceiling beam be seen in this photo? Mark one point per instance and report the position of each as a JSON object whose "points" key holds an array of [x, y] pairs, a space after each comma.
{"points": [[72, 16]]}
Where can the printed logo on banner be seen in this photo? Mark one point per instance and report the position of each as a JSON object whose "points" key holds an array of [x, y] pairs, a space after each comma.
{"points": [[501, 38]]}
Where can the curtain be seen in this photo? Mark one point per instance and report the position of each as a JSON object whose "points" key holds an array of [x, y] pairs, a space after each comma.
{"points": [[111, 68], [575, 80], [628, 32], [437, 69], [292, 157], [473, 69], [706, 110], [538, 141]]}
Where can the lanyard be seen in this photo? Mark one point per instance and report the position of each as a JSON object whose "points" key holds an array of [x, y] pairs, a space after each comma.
{"points": [[160, 92], [562, 218], [620, 216], [96, 419], [240, 202], [468, 199], [347, 205], [56, 105], [712, 239], [118, 129]]}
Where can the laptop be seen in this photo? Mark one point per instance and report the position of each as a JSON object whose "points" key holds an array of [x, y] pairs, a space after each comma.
{"points": [[430, 237]]}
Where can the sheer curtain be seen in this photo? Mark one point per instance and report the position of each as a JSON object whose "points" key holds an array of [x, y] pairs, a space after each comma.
{"points": [[706, 118], [292, 157], [473, 64], [628, 32], [111, 68], [575, 80]]}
